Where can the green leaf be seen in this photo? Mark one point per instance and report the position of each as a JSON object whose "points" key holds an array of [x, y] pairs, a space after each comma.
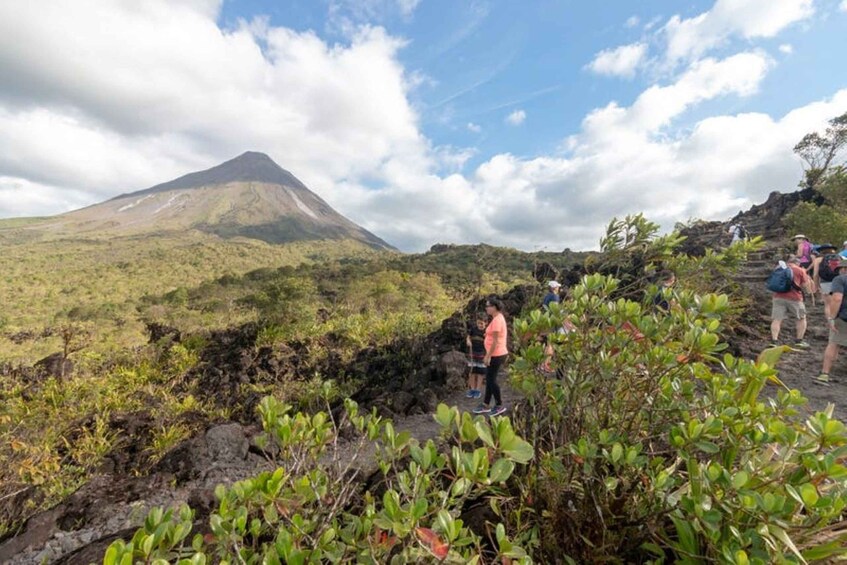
{"points": [[519, 451], [809, 494], [484, 431], [617, 452], [740, 479], [501, 471], [708, 447]]}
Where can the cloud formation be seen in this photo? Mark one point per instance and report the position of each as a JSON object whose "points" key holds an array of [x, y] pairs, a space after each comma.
{"points": [[688, 38], [95, 107], [620, 61], [516, 118]]}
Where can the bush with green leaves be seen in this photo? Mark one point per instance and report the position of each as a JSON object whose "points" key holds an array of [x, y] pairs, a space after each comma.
{"points": [[313, 507], [654, 446]]}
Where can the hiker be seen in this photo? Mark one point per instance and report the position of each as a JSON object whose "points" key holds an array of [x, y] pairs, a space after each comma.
{"points": [[552, 294], [496, 353], [787, 283], [824, 268], [804, 250], [836, 314], [566, 328], [738, 233], [476, 353], [666, 280], [843, 252]]}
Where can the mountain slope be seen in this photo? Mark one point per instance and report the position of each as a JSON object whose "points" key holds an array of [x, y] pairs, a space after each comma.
{"points": [[249, 196]]}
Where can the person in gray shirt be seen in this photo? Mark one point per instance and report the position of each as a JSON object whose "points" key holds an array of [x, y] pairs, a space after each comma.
{"points": [[836, 319]]}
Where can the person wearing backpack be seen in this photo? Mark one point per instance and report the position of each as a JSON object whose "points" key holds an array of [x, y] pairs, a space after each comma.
{"points": [[804, 250], [738, 233], [836, 319], [824, 268], [787, 282]]}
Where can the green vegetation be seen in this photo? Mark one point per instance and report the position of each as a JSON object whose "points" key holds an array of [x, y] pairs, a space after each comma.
{"points": [[310, 513], [651, 445], [101, 283], [827, 221], [823, 219]]}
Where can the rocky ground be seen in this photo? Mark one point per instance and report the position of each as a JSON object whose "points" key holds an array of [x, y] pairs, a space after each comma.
{"points": [[115, 502], [79, 530]]}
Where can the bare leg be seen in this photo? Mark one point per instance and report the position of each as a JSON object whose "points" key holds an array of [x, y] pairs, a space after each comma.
{"points": [[801, 329], [776, 325], [830, 354]]}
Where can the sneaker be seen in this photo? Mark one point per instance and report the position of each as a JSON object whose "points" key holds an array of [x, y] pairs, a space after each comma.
{"points": [[477, 394], [498, 410], [801, 344], [470, 394], [482, 409], [822, 379], [773, 344]]}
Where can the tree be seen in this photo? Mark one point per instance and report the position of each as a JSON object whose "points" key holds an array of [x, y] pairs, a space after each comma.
{"points": [[819, 151]]}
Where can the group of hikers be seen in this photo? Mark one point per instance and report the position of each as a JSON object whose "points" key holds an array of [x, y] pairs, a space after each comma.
{"points": [[811, 269]]}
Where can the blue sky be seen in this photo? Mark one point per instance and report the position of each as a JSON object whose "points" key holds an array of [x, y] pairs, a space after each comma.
{"points": [[525, 124], [481, 60]]}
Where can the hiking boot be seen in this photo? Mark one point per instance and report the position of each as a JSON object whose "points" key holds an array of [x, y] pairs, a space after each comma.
{"points": [[498, 410], [800, 344], [482, 409], [822, 379]]}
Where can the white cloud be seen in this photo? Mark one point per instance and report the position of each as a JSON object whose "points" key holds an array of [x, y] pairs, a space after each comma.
{"points": [[94, 107], [691, 37], [474, 128], [516, 118], [843, 6], [620, 61], [632, 21], [407, 7], [786, 48]]}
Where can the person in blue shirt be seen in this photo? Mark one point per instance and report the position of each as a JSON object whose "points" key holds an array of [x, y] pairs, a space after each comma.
{"points": [[843, 252], [552, 295]]}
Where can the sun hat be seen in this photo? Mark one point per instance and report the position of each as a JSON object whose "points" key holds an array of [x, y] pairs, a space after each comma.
{"points": [[554, 284], [799, 236], [844, 244]]}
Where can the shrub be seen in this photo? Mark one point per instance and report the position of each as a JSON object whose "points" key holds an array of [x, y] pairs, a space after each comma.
{"points": [[313, 509], [653, 446]]}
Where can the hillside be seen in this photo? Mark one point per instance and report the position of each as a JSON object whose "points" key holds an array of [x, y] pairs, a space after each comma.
{"points": [[248, 196], [166, 423], [93, 266]]}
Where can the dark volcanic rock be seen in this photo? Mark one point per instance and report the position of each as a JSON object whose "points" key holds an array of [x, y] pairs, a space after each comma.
{"points": [[52, 366]]}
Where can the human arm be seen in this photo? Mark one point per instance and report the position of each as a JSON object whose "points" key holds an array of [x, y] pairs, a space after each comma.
{"points": [[835, 300], [496, 336]]}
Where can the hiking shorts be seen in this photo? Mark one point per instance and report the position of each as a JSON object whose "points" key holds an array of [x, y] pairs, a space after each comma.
{"points": [[826, 287], [839, 337], [782, 308]]}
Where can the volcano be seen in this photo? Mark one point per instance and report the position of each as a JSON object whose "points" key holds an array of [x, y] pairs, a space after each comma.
{"points": [[249, 196]]}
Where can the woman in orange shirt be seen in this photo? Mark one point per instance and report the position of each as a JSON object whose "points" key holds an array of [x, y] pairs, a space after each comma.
{"points": [[496, 353]]}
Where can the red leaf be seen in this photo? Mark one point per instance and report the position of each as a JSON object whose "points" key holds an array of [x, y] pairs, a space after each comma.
{"points": [[433, 543]]}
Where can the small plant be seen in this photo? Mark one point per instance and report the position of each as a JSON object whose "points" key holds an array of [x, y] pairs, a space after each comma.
{"points": [[313, 509]]}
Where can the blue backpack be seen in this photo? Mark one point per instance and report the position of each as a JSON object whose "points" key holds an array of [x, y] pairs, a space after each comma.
{"points": [[781, 280]]}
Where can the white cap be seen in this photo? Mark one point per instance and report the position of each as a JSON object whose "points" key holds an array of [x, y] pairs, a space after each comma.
{"points": [[553, 284]]}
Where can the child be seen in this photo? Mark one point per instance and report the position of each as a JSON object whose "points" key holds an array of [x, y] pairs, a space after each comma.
{"points": [[476, 350]]}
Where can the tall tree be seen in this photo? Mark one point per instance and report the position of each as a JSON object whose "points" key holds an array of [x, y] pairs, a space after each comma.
{"points": [[819, 151]]}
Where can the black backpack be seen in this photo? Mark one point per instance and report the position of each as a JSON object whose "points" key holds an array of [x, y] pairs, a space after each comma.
{"points": [[828, 268], [741, 231]]}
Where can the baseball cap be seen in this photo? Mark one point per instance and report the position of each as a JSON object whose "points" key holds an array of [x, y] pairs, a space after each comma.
{"points": [[553, 284]]}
